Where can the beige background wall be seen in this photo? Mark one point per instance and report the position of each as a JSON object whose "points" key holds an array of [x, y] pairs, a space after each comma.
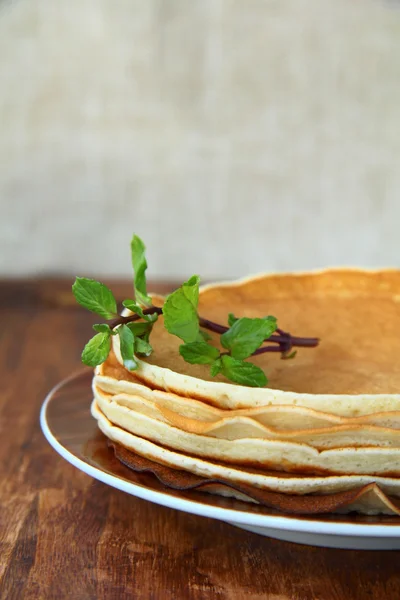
{"points": [[234, 136]]}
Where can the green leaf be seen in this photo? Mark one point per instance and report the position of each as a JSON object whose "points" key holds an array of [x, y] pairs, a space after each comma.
{"points": [[204, 335], [97, 349], [139, 265], [191, 289], [246, 335], [199, 353], [102, 328], [142, 347], [232, 319], [95, 296], [288, 355], [216, 367], [135, 308], [127, 341], [140, 329], [242, 372], [180, 311], [271, 318]]}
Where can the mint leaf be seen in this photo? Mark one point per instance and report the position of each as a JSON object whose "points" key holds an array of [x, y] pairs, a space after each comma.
{"points": [[95, 296], [199, 353], [246, 335], [140, 329], [96, 350], [232, 319], [104, 328], [271, 318], [191, 289], [288, 355], [142, 347], [180, 311], [139, 265], [242, 372], [216, 367], [127, 340], [204, 335], [135, 308]]}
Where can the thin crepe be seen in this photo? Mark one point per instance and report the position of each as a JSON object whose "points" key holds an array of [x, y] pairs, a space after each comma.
{"points": [[273, 454], [353, 372], [114, 379], [367, 498], [239, 427], [274, 482]]}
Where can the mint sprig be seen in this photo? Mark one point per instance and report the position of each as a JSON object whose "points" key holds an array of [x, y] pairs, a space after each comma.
{"points": [[137, 310], [95, 296], [232, 319], [139, 264], [142, 347], [97, 349], [180, 311], [242, 372], [199, 353], [127, 347], [140, 329], [245, 337], [216, 367], [104, 328], [241, 340]]}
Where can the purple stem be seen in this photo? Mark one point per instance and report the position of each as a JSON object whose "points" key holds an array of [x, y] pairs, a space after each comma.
{"points": [[284, 339], [265, 349], [122, 320]]}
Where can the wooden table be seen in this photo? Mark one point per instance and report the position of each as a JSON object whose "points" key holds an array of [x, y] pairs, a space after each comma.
{"points": [[63, 535]]}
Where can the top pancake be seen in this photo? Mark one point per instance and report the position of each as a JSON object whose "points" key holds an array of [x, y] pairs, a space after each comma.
{"points": [[355, 313]]}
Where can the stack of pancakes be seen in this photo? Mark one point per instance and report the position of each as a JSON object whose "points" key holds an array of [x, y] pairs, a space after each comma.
{"points": [[328, 424]]}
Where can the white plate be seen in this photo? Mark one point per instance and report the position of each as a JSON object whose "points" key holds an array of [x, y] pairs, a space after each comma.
{"points": [[69, 428]]}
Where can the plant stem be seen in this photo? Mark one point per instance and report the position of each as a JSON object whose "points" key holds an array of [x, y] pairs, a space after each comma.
{"points": [[267, 349], [123, 320], [285, 341], [282, 338]]}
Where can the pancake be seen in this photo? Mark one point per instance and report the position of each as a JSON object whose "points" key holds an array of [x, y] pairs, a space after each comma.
{"points": [[275, 482], [327, 423], [366, 498], [353, 371], [276, 454], [239, 427], [109, 378]]}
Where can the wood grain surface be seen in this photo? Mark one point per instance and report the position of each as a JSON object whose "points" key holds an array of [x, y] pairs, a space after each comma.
{"points": [[63, 535]]}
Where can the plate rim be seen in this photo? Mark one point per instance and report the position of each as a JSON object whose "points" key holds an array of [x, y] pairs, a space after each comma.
{"points": [[231, 515]]}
